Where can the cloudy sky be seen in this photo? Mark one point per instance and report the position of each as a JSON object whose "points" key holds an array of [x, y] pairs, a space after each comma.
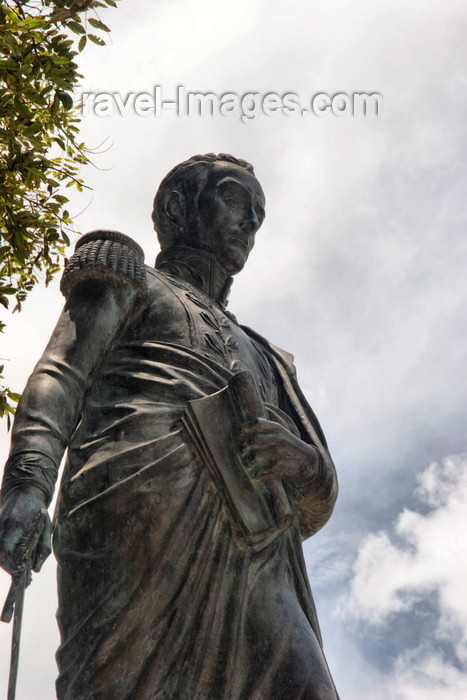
{"points": [[359, 270]]}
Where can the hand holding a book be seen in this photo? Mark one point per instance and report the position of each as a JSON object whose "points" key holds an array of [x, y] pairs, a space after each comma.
{"points": [[270, 451]]}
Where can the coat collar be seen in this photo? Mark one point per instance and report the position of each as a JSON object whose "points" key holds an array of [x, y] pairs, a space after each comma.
{"points": [[198, 268]]}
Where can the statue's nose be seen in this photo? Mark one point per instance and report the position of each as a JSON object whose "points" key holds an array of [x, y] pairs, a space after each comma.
{"points": [[250, 221]]}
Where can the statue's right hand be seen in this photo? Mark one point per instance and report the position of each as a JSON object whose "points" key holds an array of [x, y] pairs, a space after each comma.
{"points": [[24, 520]]}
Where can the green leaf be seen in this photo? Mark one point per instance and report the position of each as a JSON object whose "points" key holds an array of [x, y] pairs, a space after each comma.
{"points": [[61, 60], [47, 89], [82, 43], [97, 24], [65, 98], [7, 64], [55, 105], [76, 27], [96, 39], [12, 16]]}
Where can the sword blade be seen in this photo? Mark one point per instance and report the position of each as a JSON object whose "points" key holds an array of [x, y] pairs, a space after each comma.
{"points": [[16, 637], [15, 598]]}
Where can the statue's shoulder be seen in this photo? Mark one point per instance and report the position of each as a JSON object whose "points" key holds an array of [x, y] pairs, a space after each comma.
{"points": [[105, 255], [170, 285]]}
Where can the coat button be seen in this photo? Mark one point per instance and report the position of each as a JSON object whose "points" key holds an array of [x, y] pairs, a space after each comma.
{"points": [[231, 343]]}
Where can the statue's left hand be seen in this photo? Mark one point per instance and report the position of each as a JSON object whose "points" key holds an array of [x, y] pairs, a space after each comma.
{"points": [[24, 519], [270, 451]]}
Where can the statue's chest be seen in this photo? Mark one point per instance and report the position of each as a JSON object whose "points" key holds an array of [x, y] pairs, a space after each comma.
{"points": [[182, 315]]}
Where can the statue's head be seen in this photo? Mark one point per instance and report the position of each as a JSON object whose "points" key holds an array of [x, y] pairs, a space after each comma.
{"points": [[213, 203]]}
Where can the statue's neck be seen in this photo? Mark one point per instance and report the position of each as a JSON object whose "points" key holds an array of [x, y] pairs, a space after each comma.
{"points": [[199, 268]]}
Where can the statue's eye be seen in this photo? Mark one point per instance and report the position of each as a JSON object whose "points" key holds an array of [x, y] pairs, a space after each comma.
{"points": [[232, 200], [234, 196]]}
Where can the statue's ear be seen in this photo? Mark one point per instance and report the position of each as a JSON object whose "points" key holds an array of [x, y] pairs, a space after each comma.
{"points": [[175, 208]]}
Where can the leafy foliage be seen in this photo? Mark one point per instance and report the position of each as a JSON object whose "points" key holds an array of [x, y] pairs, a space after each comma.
{"points": [[40, 152]]}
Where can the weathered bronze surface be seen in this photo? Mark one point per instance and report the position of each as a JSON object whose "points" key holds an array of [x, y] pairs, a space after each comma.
{"points": [[194, 469]]}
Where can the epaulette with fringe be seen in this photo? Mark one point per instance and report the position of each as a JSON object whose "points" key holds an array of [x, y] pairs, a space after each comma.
{"points": [[105, 253]]}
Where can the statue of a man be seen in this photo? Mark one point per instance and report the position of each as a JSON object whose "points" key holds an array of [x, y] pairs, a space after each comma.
{"points": [[172, 584]]}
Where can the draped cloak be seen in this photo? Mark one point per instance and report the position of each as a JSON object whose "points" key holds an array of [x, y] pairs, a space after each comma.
{"points": [[158, 596]]}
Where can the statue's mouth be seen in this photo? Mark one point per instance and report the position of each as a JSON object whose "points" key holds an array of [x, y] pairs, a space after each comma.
{"points": [[239, 239]]}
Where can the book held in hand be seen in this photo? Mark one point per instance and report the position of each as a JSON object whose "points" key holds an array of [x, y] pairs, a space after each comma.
{"points": [[259, 512]]}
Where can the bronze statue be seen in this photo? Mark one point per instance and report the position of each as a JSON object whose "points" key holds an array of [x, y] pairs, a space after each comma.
{"points": [[194, 470]]}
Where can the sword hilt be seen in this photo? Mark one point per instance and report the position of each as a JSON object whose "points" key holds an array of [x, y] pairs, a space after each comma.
{"points": [[20, 580]]}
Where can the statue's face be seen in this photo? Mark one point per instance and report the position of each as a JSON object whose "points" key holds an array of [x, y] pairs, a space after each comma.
{"points": [[230, 211]]}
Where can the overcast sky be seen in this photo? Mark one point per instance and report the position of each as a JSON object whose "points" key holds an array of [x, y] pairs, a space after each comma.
{"points": [[359, 270]]}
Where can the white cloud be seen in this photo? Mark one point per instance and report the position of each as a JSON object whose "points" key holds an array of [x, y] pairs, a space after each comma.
{"points": [[423, 556], [425, 675]]}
